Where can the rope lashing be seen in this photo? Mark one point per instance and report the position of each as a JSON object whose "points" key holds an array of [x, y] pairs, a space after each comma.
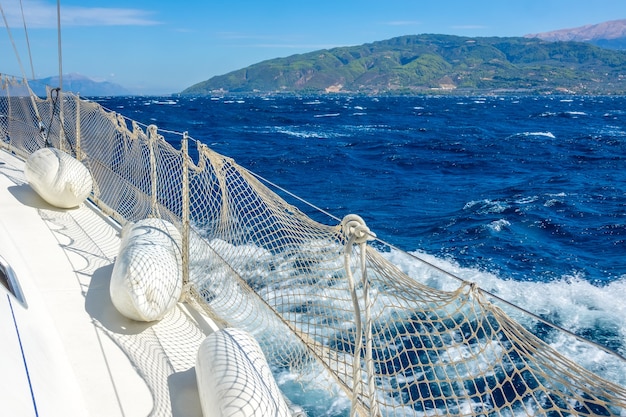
{"points": [[357, 233], [354, 227]]}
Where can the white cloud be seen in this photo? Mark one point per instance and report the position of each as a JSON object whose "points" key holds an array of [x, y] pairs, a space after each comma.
{"points": [[252, 40], [291, 46], [40, 14], [469, 27], [248, 36], [403, 23]]}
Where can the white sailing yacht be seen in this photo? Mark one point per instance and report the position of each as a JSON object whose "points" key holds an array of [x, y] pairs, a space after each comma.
{"points": [[179, 287]]}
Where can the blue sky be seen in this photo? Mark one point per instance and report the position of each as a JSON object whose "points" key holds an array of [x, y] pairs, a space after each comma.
{"points": [[164, 46]]}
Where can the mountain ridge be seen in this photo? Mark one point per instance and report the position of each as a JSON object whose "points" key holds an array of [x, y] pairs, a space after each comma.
{"points": [[428, 63]]}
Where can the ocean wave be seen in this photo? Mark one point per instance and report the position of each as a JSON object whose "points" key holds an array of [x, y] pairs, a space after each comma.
{"points": [[486, 206], [552, 202], [307, 134], [164, 102], [544, 134], [327, 115], [570, 114], [498, 225], [527, 200], [593, 312], [590, 311]]}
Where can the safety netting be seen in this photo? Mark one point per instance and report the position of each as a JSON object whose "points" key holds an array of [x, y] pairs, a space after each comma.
{"points": [[319, 298]]}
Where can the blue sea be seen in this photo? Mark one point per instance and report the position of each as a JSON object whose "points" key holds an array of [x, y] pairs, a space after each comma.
{"points": [[524, 195]]}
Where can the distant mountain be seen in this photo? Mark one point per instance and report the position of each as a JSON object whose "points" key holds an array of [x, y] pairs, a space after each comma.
{"points": [[610, 34], [420, 64], [79, 84]]}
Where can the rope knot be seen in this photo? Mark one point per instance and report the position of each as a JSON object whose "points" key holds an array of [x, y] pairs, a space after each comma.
{"points": [[354, 228]]}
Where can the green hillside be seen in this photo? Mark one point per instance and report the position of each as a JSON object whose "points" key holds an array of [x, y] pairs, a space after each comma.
{"points": [[420, 64]]}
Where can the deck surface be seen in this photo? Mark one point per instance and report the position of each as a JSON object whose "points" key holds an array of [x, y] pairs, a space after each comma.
{"points": [[75, 354]]}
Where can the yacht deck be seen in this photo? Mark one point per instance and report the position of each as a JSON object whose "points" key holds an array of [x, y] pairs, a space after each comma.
{"points": [[66, 351]]}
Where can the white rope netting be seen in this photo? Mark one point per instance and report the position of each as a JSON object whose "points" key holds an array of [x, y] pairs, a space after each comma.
{"points": [[316, 297]]}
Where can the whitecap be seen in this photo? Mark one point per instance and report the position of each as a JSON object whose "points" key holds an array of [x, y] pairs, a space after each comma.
{"points": [[552, 202], [555, 198], [527, 200], [306, 134], [570, 302], [165, 102], [487, 206], [498, 225], [531, 134], [546, 134]]}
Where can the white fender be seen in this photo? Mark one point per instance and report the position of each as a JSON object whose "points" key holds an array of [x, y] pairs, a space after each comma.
{"points": [[234, 379], [147, 281], [58, 178]]}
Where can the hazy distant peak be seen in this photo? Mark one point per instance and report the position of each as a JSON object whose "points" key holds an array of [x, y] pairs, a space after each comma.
{"points": [[78, 83], [613, 29]]}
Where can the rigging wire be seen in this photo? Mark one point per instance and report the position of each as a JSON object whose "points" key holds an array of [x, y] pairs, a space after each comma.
{"points": [[30, 55], [60, 55], [17, 54]]}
